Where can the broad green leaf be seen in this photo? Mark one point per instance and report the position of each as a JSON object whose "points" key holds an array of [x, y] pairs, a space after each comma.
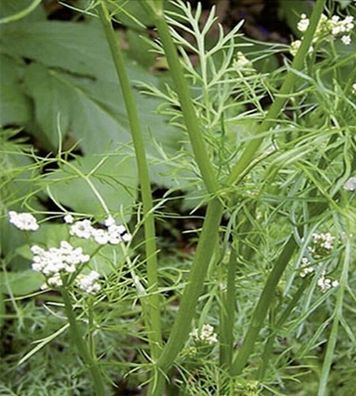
{"points": [[114, 179], [14, 105], [94, 112], [20, 283], [61, 104], [88, 105], [77, 47]]}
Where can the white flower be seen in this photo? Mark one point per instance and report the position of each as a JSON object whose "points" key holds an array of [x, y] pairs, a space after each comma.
{"points": [[117, 233], [294, 47], [322, 244], [89, 283], [68, 218], [354, 88], [23, 221], [346, 39], [109, 221], [303, 23], [81, 229], [337, 27], [206, 334], [306, 267], [325, 283], [127, 237], [100, 236], [350, 184], [54, 261], [55, 281], [113, 233]]}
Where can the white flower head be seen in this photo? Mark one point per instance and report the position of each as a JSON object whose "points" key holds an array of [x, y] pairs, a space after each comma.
{"points": [[109, 221], [54, 261], [322, 244], [306, 267], [81, 229], [100, 236], [68, 218], [354, 88], [346, 39], [325, 283], [89, 283], [23, 221], [206, 335], [303, 23]]}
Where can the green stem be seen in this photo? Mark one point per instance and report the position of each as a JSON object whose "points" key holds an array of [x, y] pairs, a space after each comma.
{"points": [[268, 348], [192, 291], [262, 306], [78, 342], [190, 117], [227, 313], [281, 98], [267, 294], [152, 319], [182, 323]]}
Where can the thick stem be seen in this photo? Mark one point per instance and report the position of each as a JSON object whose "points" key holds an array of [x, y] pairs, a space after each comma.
{"points": [[78, 342], [192, 291], [151, 302], [191, 119], [281, 98]]}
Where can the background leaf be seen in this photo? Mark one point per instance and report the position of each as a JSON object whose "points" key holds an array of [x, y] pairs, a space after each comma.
{"points": [[115, 179], [20, 283], [14, 105]]}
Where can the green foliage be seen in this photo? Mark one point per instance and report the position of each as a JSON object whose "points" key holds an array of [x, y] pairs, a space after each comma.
{"points": [[66, 148], [20, 283], [113, 176]]}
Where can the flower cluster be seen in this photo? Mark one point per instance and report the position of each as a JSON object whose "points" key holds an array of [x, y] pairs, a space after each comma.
{"points": [[23, 221], [89, 283], [306, 267], [112, 233], [322, 245], [329, 28], [56, 261], [325, 283], [206, 335]]}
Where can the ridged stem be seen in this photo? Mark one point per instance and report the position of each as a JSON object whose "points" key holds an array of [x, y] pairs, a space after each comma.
{"points": [[192, 291], [151, 302], [190, 117]]}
